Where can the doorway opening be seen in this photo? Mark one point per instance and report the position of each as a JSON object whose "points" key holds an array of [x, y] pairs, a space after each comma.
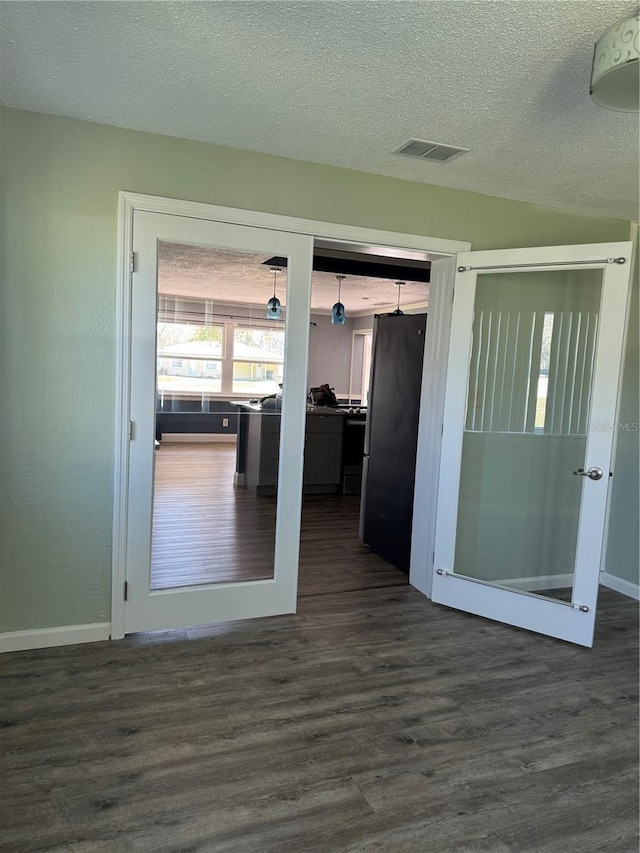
{"points": [[149, 407], [338, 552], [219, 382], [148, 607]]}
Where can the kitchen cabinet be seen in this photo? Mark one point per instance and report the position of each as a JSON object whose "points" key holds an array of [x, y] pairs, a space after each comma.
{"points": [[322, 455], [323, 451]]}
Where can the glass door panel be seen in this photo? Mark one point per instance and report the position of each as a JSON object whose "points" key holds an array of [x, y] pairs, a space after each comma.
{"points": [[528, 404], [534, 362], [214, 476], [207, 529]]}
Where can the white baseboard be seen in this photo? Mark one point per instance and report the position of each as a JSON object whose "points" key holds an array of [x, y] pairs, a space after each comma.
{"points": [[198, 437], [620, 585], [64, 635], [538, 582]]}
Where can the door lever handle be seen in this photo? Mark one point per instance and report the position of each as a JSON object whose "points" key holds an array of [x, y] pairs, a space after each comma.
{"points": [[592, 473]]}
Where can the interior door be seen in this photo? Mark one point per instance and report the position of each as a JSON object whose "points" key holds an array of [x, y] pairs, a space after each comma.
{"points": [[267, 584], [530, 414]]}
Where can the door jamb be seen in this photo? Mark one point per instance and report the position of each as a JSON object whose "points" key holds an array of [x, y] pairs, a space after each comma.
{"points": [[128, 203]]}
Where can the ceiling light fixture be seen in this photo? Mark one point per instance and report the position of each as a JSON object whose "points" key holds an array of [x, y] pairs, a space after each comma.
{"points": [[616, 67], [399, 285], [274, 309], [337, 312]]}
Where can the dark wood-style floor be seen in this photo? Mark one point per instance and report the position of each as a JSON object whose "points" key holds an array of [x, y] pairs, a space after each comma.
{"points": [[372, 721]]}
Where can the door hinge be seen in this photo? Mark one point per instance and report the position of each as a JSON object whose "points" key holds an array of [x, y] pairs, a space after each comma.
{"points": [[130, 431], [126, 590], [132, 262]]}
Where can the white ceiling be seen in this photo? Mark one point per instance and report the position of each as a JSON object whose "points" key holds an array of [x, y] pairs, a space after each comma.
{"points": [[224, 275], [346, 83]]}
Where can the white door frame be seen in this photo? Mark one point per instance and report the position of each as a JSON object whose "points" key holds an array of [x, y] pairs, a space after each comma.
{"points": [[574, 620], [432, 404]]}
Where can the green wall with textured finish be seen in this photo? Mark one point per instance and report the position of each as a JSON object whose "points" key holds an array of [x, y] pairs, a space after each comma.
{"points": [[622, 557], [60, 183]]}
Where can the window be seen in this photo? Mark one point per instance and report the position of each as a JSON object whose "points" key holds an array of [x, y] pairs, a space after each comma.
{"points": [[198, 362], [543, 376], [189, 361], [258, 356]]}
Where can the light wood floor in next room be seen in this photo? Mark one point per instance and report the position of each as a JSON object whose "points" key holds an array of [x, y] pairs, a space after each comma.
{"points": [[206, 530]]}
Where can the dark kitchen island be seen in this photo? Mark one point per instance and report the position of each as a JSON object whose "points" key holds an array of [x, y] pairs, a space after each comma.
{"points": [[259, 440]]}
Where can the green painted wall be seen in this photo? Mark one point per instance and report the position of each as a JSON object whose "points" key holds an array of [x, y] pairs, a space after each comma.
{"points": [[623, 543], [60, 180]]}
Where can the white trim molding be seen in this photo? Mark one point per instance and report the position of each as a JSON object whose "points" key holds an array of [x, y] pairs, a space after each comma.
{"points": [[62, 635], [434, 376], [434, 248], [292, 224], [620, 585]]}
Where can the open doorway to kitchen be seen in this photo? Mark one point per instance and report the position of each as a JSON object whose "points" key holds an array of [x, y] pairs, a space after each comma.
{"points": [[353, 291], [219, 381], [214, 403]]}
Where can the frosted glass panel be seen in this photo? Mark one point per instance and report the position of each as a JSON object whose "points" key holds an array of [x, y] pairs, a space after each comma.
{"points": [[526, 425]]}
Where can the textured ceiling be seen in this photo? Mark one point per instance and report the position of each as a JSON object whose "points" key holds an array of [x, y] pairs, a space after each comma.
{"points": [[346, 83], [237, 277]]}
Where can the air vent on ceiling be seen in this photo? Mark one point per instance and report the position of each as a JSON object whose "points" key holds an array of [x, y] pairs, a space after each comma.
{"points": [[424, 150]]}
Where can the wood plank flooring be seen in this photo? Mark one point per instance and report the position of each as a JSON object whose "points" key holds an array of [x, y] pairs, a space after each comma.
{"points": [[205, 530], [371, 721]]}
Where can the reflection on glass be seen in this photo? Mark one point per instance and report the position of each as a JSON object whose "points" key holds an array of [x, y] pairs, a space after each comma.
{"points": [[543, 375], [208, 526], [530, 378], [189, 359], [251, 374]]}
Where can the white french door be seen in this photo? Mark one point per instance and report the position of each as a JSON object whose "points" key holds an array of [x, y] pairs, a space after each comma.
{"points": [[529, 423], [269, 583]]}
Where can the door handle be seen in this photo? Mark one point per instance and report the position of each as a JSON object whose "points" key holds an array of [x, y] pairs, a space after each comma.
{"points": [[592, 473]]}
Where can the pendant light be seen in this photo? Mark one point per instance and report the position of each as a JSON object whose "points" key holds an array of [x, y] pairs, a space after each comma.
{"points": [[274, 309], [398, 310], [337, 312]]}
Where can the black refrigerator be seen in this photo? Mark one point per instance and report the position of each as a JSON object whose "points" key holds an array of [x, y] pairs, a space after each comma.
{"points": [[391, 436]]}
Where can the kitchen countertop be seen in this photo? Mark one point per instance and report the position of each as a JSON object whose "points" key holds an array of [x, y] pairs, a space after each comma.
{"points": [[252, 406]]}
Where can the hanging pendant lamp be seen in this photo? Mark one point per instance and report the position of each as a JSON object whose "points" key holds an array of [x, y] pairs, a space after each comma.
{"points": [[337, 312], [274, 309], [398, 310]]}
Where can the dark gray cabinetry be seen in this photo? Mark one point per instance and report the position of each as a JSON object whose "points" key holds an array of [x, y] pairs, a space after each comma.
{"points": [[322, 451], [322, 454]]}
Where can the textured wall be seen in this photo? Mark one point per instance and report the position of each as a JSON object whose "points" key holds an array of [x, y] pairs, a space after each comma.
{"points": [[60, 180], [623, 546], [330, 353]]}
